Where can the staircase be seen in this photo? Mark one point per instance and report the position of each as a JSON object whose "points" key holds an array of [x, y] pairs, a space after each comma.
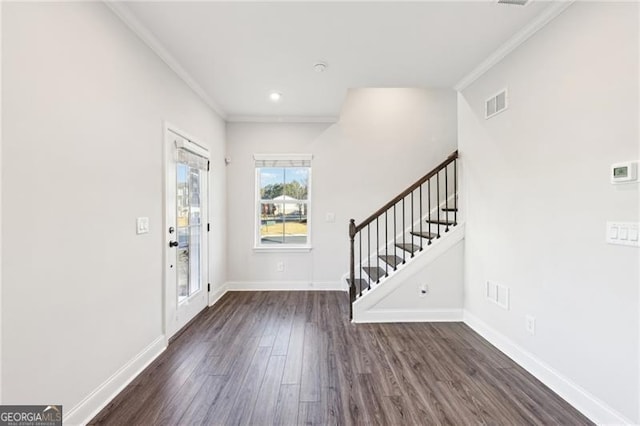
{"points": [[409, 224]]}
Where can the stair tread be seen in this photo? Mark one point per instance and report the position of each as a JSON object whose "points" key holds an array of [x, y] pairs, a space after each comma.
{"points": [[360, 284], [425, 234], [374, 272], [411, 248], [441, 222], [357, 281], [391, 259]]}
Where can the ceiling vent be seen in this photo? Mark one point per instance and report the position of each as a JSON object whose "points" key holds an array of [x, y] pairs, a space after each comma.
{"points": [[496, 104], [514, 2]]}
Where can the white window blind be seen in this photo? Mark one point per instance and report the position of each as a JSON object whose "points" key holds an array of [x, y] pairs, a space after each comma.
{"points": [[282, 160], [192, 154]]}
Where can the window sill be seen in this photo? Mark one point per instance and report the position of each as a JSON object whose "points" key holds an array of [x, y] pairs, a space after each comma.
{"points": [[263, 249]]}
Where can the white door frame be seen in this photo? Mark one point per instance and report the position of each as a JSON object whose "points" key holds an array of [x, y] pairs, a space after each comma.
{"points": [[168, 308]]}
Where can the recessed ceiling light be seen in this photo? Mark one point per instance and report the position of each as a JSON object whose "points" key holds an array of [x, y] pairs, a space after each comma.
{"points": [[320, 66], [275, 96]]}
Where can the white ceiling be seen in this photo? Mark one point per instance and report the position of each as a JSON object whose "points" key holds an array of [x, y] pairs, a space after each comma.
{"points": [[238, 52]]}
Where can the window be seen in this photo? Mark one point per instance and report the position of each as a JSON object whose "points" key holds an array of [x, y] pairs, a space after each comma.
{"points": [[283, 185]]}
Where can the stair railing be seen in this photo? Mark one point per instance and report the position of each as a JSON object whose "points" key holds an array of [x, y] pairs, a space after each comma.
{"points": [[399, 202]]}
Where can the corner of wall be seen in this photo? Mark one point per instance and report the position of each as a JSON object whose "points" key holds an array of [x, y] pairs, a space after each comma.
{"points": [[217, 294]]}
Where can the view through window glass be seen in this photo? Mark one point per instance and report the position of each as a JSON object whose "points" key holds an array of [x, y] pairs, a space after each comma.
{"points": [[284, 204]]}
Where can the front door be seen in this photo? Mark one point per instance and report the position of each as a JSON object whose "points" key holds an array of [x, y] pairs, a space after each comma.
{"points": [[186, 239]]}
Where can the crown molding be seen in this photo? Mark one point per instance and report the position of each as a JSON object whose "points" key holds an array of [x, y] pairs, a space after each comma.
{"points": [[281, 119], [540, 21], [126, 16]]}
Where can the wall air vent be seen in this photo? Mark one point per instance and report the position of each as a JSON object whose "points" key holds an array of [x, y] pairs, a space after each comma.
{"points": [[514, 2], [496, 104]]}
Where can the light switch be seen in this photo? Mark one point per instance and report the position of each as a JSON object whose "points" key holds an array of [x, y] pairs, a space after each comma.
{"points": [[623, 232], [142, 225], [330, 217]]}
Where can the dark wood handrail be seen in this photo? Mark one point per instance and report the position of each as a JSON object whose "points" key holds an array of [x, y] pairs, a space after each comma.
{"points": [[399, 197]]}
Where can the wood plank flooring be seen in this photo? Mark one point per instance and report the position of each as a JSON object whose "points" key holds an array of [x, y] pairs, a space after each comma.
{"points": [[293, 358]]}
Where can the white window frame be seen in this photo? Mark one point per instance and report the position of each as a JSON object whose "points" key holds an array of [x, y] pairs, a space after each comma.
{"points": [[291, 248]]}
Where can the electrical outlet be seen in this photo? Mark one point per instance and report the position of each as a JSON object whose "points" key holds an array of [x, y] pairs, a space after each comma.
{"points": [[531, 325], [280, 266]]}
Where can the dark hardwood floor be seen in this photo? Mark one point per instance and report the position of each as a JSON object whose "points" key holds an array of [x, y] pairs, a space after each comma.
{"points": [[289, 358]]}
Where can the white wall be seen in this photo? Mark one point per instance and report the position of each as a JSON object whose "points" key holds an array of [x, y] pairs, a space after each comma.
{"points": [[83, 107], [385, 140], [400, 298], [444, 283], [538, 196], [1, 400]]}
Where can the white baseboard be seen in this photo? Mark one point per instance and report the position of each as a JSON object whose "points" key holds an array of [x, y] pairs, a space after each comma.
{"points": [[408, 315], [285, 286], [90, 406], [592, 407]]}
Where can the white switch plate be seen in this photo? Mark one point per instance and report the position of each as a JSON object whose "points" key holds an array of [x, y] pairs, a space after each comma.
{"points": [[623, 233], [330, 217], [491, 291], [503, 297], [142, 225]]}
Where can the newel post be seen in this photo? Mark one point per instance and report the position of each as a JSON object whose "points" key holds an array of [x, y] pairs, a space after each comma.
{"points": [[352, 271]]}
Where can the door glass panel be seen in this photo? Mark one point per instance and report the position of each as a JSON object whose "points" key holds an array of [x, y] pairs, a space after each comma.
{"points": [[194, 265], [183, 273], [195, 226], [189, 218], [194, 197], [182, 195]]}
